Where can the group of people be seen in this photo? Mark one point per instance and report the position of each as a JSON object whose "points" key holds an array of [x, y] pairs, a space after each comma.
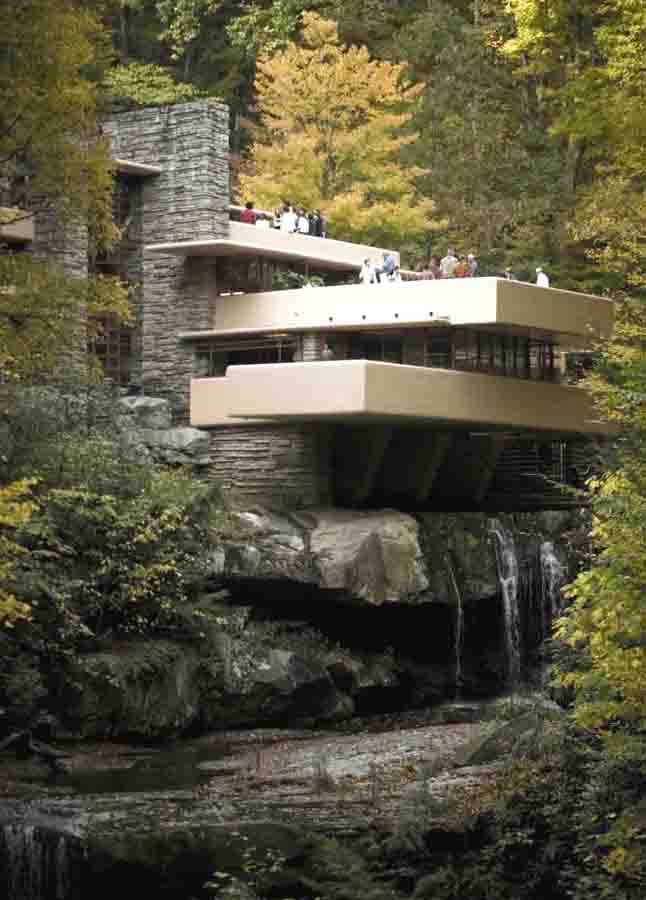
{"points": [[297, 221], [388, 271], [449, 266], [286, 218]]}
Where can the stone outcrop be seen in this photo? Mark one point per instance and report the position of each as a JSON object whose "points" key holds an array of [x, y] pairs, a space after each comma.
{"points": [[245, 672], [325, 615], [380, 557], [374, 558], [147, 421]]}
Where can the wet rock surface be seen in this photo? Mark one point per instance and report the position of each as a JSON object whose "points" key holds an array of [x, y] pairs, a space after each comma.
{"points": [[334, 780]]}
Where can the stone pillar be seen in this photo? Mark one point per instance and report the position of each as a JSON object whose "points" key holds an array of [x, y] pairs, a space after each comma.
{"points": [[188, 200], [64, 246], [280, 466]]}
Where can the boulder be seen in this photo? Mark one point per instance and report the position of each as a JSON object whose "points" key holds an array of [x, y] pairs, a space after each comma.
{"points": [[147, 412], [148, 689], [178, 445], [265, 546], [375, 557]]}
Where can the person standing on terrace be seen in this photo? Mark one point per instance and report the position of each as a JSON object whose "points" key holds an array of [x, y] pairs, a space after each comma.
{"points": [[448, 263], [367, 274], [302, 223], [317, 224], [434, 267], [248, 215], [472, 265], [542, 279], [288, 220], [461, 269], [387, 268]]}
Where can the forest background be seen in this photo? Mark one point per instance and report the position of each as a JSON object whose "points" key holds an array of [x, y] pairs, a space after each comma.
{"points": [[515, 129]]}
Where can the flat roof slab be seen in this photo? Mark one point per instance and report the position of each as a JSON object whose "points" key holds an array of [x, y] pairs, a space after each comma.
{"points": [[255, 240]]}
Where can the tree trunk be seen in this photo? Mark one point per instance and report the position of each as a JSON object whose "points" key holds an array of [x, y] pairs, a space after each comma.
{"points": [[124, 23]]}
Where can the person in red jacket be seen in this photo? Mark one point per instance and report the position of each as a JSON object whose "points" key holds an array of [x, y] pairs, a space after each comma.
{"points": [[248, 216]]}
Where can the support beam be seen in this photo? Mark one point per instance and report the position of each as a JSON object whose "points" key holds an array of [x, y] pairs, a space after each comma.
{"points": [[358, 455], [413, 459], [489, 458], [442, 442], [372, 460]]}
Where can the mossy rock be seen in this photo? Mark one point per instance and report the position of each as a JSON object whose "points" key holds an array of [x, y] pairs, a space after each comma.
{"points": [[527, 733]]}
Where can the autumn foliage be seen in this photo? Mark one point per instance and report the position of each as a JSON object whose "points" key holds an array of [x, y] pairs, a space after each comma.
{"points": [[333, 124]]}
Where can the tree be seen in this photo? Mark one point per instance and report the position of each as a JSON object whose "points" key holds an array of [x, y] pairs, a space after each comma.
{"points": [[333, 124], [16, 508], [55, 163], [499, 203], [146, 84], [183, 21], [52, 155]]}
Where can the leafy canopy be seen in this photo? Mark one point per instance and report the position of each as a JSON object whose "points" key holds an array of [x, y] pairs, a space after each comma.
{"points": [[333, 124], [52, 154], [55, 163], [16, 509], [146, 84]]}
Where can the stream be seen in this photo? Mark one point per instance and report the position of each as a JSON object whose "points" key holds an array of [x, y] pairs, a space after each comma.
{"points": [[167, 818]]}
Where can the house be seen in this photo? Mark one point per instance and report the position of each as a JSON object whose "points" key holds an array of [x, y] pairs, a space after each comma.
{"points": [[419, 395]]}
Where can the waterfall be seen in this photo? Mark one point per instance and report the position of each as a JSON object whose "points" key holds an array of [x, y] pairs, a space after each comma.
{"points": [[35, 863], [553, 575], [508, 576], [459, 623]]}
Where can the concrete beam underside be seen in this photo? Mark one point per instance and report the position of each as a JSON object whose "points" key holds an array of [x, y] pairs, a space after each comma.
{"points": [[417, 469]]}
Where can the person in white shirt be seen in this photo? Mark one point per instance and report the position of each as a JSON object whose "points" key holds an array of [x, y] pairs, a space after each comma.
{"points": [[448, 264], [302, 223], [288, 220], [367, 273], [542, 279]]}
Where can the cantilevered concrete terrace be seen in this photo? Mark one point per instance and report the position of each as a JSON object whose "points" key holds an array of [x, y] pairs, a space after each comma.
{"points": [[494, 304], [367, 392], [252, 240]]}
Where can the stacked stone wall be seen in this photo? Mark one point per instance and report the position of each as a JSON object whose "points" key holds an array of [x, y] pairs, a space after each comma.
{"points": [[188, 200], [285, 466]]}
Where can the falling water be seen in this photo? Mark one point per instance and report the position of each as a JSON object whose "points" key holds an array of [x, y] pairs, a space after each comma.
{"points": [[508, 576], [459, 623], [35, 864], [553, 574]]}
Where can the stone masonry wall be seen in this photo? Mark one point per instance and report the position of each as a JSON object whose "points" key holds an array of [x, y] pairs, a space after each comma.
{"points": [[285, 466], [189, 200], [64, 245], [128, 215]]}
